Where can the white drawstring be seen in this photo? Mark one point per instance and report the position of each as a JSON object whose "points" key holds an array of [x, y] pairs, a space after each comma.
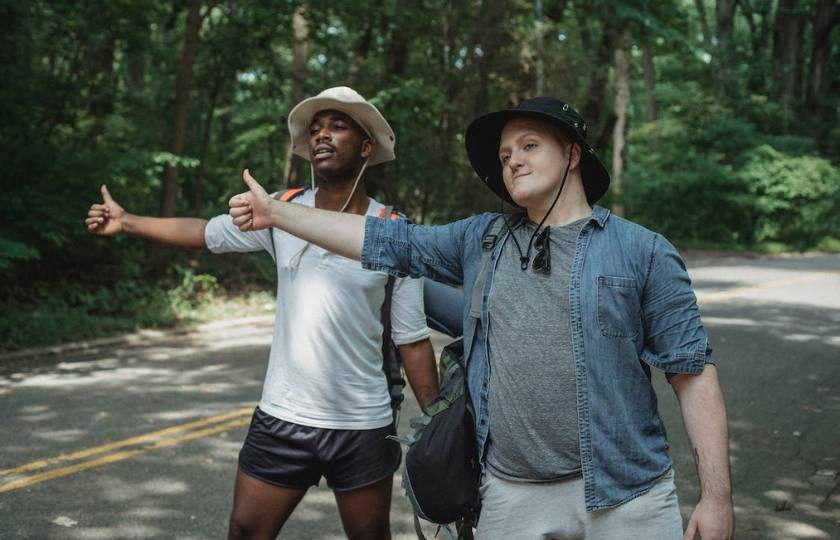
{"points": [[294, 262]]}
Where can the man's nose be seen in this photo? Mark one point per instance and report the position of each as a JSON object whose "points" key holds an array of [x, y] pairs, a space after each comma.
{"points": [[514, 162], [324, 134]]}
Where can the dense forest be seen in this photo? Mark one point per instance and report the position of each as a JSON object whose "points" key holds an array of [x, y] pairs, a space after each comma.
{"points": [[717, 118]]}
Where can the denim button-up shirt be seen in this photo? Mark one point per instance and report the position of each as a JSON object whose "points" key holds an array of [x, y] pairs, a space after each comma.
{"points": [[632, 307]]}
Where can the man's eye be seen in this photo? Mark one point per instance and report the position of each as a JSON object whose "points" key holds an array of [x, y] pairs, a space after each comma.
{"points": [[530, 146], [314, 129], [504, 159]]}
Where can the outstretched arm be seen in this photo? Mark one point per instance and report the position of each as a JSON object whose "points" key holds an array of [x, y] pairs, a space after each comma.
{"points": [[108, 218], [704, 415], [340, 233]]}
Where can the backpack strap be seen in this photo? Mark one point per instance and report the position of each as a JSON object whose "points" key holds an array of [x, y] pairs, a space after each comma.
{"points": [[391, 361], [494, 231], [283, 196], [388, 211], [289, 194]]}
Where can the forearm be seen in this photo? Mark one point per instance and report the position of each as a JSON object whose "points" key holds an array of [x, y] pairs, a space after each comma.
{"points": [[421, 370], [340, 233], [704, 416], [180, 232]]}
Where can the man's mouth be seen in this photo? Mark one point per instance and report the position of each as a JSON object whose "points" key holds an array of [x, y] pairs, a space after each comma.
{"points": [[323, 151]]}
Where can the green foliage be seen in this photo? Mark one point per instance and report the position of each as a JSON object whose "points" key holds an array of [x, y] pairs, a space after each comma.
{"points": [[15, 251], [796, 199], [701, 174], [89, 98], [193, 290]]}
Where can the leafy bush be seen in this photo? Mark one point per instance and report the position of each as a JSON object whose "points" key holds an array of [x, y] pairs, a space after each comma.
{"points": [[707, 176], [796, 199]]}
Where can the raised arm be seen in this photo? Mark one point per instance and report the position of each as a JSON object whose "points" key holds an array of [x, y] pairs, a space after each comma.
{"points": [[704, 416], [109, 218], [337, 232]]}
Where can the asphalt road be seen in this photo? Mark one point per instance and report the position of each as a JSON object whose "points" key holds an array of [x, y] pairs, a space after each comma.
{"points": [[138, 438]]}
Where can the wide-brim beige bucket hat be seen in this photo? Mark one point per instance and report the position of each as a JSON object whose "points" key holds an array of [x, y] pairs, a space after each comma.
{"points": [[351, 103]]}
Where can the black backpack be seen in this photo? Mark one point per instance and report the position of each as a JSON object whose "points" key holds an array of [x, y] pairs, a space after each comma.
{"points": [[391, 361], [441, 473]]}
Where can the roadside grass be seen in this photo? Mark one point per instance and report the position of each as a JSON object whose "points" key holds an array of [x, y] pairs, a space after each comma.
{"points": [[71, 314], [825, 245]]}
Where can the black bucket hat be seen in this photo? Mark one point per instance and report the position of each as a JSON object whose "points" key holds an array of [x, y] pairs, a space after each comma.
{"points": [[484, 135]]}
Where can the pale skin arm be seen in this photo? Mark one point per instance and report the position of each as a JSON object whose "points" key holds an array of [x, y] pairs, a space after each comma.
{"points": [[704, 416], [418, 359], [109, 218], [340, 233]]}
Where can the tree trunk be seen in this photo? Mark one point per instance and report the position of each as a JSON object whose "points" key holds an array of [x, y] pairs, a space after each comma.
{"points": [[183, 82], [361, 52], [787, 48], [98, 64], [622, 99], [593, 110], [704, 24], [826, 17], [539, 48], [758, 18], [650, 81], [726, 57], [198, 184], [300, 73]]}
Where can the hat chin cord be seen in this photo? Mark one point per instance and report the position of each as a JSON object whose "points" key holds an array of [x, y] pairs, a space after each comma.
{"points": [[355, 185], [525, 259], [294, 261]]}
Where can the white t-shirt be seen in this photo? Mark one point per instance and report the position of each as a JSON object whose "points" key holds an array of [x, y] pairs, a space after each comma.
{"points": [[325, 365]]}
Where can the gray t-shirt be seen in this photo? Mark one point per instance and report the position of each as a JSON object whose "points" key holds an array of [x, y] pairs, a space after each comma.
{"points": [[532, 395]]}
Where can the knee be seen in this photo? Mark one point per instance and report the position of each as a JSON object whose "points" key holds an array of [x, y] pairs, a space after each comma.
{"points": [[370, 531], [243, 527]]}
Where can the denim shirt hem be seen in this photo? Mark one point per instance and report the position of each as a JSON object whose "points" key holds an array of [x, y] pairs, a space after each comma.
{"points": [[592, 506]]}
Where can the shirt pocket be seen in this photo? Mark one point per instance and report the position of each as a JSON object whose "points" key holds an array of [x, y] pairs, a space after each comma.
{"points": [[618, 306]]}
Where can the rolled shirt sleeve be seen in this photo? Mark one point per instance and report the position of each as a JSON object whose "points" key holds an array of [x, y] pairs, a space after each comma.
{"points": [[402, 248], [675, 339]]}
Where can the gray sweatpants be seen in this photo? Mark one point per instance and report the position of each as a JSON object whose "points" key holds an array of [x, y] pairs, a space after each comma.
{"points": [[555, 510]]}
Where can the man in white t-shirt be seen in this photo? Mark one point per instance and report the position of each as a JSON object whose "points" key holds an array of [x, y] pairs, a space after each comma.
{"points": [[325, 408]]}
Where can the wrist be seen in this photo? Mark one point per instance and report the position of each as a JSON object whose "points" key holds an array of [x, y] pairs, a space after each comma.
{"points": [[128, 223]]}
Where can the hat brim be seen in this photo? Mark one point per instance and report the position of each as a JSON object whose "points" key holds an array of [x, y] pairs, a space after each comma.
{"points": [[364, 114], [484, 136]]}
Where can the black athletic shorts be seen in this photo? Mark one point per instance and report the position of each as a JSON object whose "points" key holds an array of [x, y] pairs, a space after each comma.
{"points": [[295, 456]]}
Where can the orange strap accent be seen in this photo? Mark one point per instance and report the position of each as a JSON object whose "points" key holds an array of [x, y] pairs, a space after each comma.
{"points": [[394, 213], [291, 194]]}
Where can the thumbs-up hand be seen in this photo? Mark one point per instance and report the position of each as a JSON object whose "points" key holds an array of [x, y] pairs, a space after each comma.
{"points": [[251, 210], [105, 219]]}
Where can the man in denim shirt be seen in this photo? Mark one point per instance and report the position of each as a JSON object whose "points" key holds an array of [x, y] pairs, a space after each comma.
{"points": [[624, 304]]}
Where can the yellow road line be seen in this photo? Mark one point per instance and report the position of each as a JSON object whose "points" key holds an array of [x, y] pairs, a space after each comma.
{"points": [[81, 454], [119, 456], [738, 291]]}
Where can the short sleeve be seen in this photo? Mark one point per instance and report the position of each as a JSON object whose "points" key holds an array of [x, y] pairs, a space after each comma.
{"points": [[408, 320], [222, 236]]}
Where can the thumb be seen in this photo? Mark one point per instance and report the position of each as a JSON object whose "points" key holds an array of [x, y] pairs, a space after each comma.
{"points": [[252, 184], [106, 196]]}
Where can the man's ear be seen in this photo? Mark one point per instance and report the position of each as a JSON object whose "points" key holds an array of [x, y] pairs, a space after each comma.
{"points": [[574, 155], [367, 148]]}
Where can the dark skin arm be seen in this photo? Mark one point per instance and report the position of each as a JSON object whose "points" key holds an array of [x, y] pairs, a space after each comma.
{"points": [[109, 218], [418, 360]]}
